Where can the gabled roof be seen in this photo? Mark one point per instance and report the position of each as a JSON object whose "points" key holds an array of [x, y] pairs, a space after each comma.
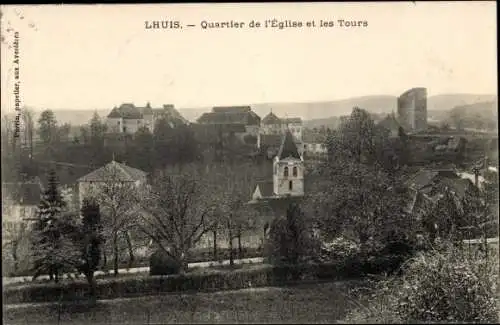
{"points": [[288, 147], [426, 177], [271, 119], [114, 171], [230, 117], [265, 188]]}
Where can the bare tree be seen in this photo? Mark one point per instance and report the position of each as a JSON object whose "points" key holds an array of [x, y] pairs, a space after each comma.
{"points": [[233, 190], [177, 213], [117, 199]]}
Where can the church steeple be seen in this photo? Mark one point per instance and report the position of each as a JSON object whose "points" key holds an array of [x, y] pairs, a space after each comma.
{"points": [[288, 178], [288, 147]]}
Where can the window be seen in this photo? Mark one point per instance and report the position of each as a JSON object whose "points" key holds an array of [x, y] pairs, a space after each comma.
{"points": [[285, 172], [290, 185], [294, 172]]}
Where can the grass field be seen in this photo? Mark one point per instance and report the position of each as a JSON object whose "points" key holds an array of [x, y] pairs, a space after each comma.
{"points": [[312, 303]]}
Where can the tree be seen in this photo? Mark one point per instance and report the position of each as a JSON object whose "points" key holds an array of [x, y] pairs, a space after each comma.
{"points": [[358, 139], [47, 127], [63, 133], [176, 214], [232, 190], [291, 238], [117, 201], [53, 248], [144, 149], [162, 135], [91, 240], [362, 201]]}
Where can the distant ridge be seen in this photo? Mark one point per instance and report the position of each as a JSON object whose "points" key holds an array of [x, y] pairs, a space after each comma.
{"points": [[313, 113]]}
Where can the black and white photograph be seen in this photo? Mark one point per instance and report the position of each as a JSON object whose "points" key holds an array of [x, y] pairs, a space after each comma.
{"points": [[255, 163]]}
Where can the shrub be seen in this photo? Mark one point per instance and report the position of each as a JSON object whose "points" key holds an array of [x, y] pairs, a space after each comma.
{"points": [[161, 263], [442, 285], [340, 247], [373, 305], [450, 285]]}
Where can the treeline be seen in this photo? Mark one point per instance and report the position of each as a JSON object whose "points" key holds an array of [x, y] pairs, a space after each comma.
{"points": [[77, 151]]}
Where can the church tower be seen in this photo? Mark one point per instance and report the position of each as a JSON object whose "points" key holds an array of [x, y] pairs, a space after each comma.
{"points": [[288, 169]]}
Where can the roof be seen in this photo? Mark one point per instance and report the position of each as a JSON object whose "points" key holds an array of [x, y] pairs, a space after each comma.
{"points": [[114, 171], [230, 117], [288, 147], [271, 118], [23, 193], [266, 188], [270, 140], [130, 111], [126, 111], [425, 177]]}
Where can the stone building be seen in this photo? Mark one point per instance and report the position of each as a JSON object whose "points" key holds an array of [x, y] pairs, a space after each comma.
{"points": [[128, 118]]}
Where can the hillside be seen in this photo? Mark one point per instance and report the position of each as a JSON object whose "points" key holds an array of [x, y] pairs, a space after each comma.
{"points": [[314, 113], [483, 115]]}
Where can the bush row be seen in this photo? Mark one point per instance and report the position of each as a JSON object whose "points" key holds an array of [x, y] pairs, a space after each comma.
{"points": [[254, 276]]}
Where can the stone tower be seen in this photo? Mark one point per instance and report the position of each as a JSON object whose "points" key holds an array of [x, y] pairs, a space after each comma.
{"points": [[288, 169]]}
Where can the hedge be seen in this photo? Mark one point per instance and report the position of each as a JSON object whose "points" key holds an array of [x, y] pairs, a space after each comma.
{"points": [[201, 255], [210, 280]]}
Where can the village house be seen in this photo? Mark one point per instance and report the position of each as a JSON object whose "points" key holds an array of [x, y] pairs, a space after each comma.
{"points": [[271, 124], [128, 118], [113, 172], [272, 130], [428, 186], [19, 205], [242, 120], [314, 145]]}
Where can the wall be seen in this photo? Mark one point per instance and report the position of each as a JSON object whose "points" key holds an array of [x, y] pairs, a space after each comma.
{"points": [[132, 125], [281, 183], [114, 124]]}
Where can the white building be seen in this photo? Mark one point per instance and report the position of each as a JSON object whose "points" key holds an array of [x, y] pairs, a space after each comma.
{"points": [[112, 174], [128, 118], [271, 124]]}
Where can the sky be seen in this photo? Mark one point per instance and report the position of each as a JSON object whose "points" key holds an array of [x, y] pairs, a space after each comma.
{"points": [[99, 56]]}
